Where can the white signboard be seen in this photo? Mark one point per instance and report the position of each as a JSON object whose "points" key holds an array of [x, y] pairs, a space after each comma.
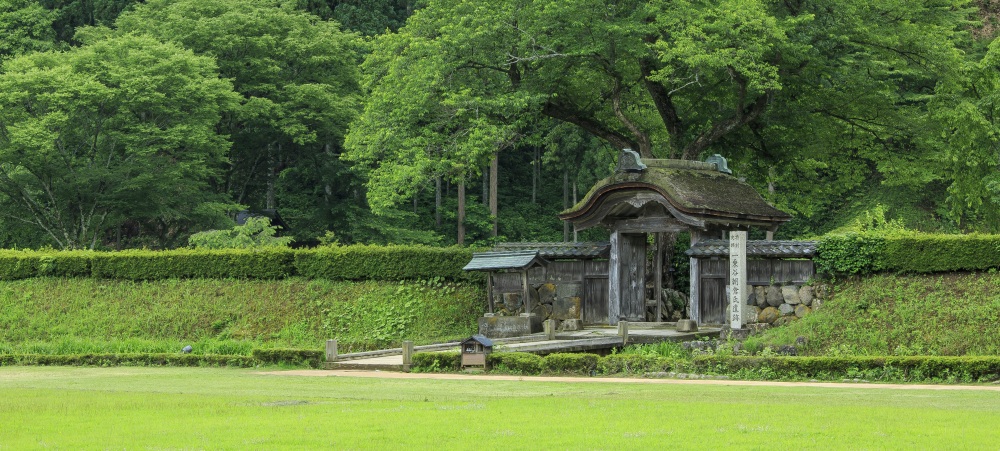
{"points": [[737, 278]]}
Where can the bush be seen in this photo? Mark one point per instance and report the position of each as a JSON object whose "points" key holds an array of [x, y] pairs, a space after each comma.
{"points": [[634, 364], [895, 369], [434, 362], [566, 363], [515, 363], [129, 360], [867, 253], [294, 357], [272, 263], [383, 262]]}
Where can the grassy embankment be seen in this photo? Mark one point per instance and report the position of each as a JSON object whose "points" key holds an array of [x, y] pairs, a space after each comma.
{"points": [[939, 314], [143, 408], [82, 315]]}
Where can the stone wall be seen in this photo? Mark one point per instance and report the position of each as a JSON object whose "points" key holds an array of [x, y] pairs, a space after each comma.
{"points": [[781, 304], [560, 301]]}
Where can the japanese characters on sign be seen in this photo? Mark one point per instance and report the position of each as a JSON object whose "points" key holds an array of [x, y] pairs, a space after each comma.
{"points": [[737, 277]]}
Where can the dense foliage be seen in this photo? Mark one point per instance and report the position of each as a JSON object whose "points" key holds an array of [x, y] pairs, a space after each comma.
{"points": [[872, 252], [378, 121], [359, 262]]}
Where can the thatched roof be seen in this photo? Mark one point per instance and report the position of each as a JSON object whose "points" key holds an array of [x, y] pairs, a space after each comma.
{"points": [[693, 192]]}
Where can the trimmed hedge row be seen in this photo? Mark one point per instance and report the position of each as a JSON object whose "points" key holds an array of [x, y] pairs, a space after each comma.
{"points": [[129, 360], [892, 368], [293, 357], [867, 253], [335, 263], [898, 369]]}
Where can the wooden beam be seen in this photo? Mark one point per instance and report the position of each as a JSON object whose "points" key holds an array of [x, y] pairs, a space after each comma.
{"points": [[652, 224]]}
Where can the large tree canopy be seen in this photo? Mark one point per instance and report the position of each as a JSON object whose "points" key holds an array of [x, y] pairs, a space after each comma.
{"points": [[119, 129], [297, 75], [789, 84]]}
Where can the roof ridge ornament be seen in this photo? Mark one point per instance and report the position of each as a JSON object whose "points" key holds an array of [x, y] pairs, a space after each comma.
{"points": [[629, 161], [720, 164]]}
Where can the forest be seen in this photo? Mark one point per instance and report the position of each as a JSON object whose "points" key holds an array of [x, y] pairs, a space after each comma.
{"points": [[136, 124]]}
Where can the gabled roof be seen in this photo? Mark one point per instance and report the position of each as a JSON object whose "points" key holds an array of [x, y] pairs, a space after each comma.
{"points": [[557, 250], [490, 261], [481, 339], [694, 192], [756, 248]]}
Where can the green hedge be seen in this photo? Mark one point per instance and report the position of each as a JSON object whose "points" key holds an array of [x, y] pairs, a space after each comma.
{"points": [[867, 253], [515, 362], [383, 262], [433, 362], [333, 263], [295, 357], [129, 360], [894, 369], [566, 363], [188, 263]]}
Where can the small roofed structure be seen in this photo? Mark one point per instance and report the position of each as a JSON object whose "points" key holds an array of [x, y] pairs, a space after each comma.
{"points": [[506, 261], [664, 196], [474, 351]]}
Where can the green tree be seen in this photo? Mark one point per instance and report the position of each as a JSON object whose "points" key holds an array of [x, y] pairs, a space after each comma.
{"points": [[810, 97], [297, 75], [256, 233], [118, 129], [25, 26]]}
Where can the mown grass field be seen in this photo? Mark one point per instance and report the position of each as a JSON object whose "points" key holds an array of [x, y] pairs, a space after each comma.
{"points": [[184, 408]]}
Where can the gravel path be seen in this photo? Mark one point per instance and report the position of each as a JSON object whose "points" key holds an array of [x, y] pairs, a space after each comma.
{"points": [[617, 380]]}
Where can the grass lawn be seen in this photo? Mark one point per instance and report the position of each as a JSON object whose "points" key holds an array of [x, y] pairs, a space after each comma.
{"points": [[196, 408]]}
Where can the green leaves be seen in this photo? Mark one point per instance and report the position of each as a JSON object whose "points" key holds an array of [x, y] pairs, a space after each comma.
{"points": [[122, 128]]}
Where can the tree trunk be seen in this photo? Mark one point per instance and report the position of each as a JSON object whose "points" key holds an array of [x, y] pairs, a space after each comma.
{"points": [[485, 199], [437, 201], [461, 211], [494, 169], [535, 163], [575, 239], [565, 203]]}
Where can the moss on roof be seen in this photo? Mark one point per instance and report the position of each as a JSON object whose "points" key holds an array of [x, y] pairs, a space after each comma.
{"points": [[689, 188]]}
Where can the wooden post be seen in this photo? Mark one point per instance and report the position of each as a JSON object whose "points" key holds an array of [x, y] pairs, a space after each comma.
{"points": [[695, 284], [489, 290], [658, 277], [331, 350], [407, 355], [524, 286], [737, 277], [614, 279], [623, 331]]}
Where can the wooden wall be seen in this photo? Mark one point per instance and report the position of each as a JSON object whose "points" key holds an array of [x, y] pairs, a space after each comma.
{"points": [[713, 278], [591, 276]]}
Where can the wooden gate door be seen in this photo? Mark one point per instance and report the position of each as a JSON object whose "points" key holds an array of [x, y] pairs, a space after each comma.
{"points": [[712, 290], [632, 252]]}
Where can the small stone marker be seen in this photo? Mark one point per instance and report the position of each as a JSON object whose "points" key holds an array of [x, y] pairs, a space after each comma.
{"points": [[407, 355], [550, 329], [187, 349], [623, 331], [687, 325], [331, 350]]}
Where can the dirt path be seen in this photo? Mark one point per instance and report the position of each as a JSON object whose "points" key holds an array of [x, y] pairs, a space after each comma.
{"points": [[617, 380]]}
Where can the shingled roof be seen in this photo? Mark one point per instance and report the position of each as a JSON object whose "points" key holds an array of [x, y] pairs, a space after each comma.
{"points": [[491, 261], [559, 250], [694, 192], [755, 248]]}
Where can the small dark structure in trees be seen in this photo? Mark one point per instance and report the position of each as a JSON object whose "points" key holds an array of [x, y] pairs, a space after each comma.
{"points": [[474, 351], [269, 213]]}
